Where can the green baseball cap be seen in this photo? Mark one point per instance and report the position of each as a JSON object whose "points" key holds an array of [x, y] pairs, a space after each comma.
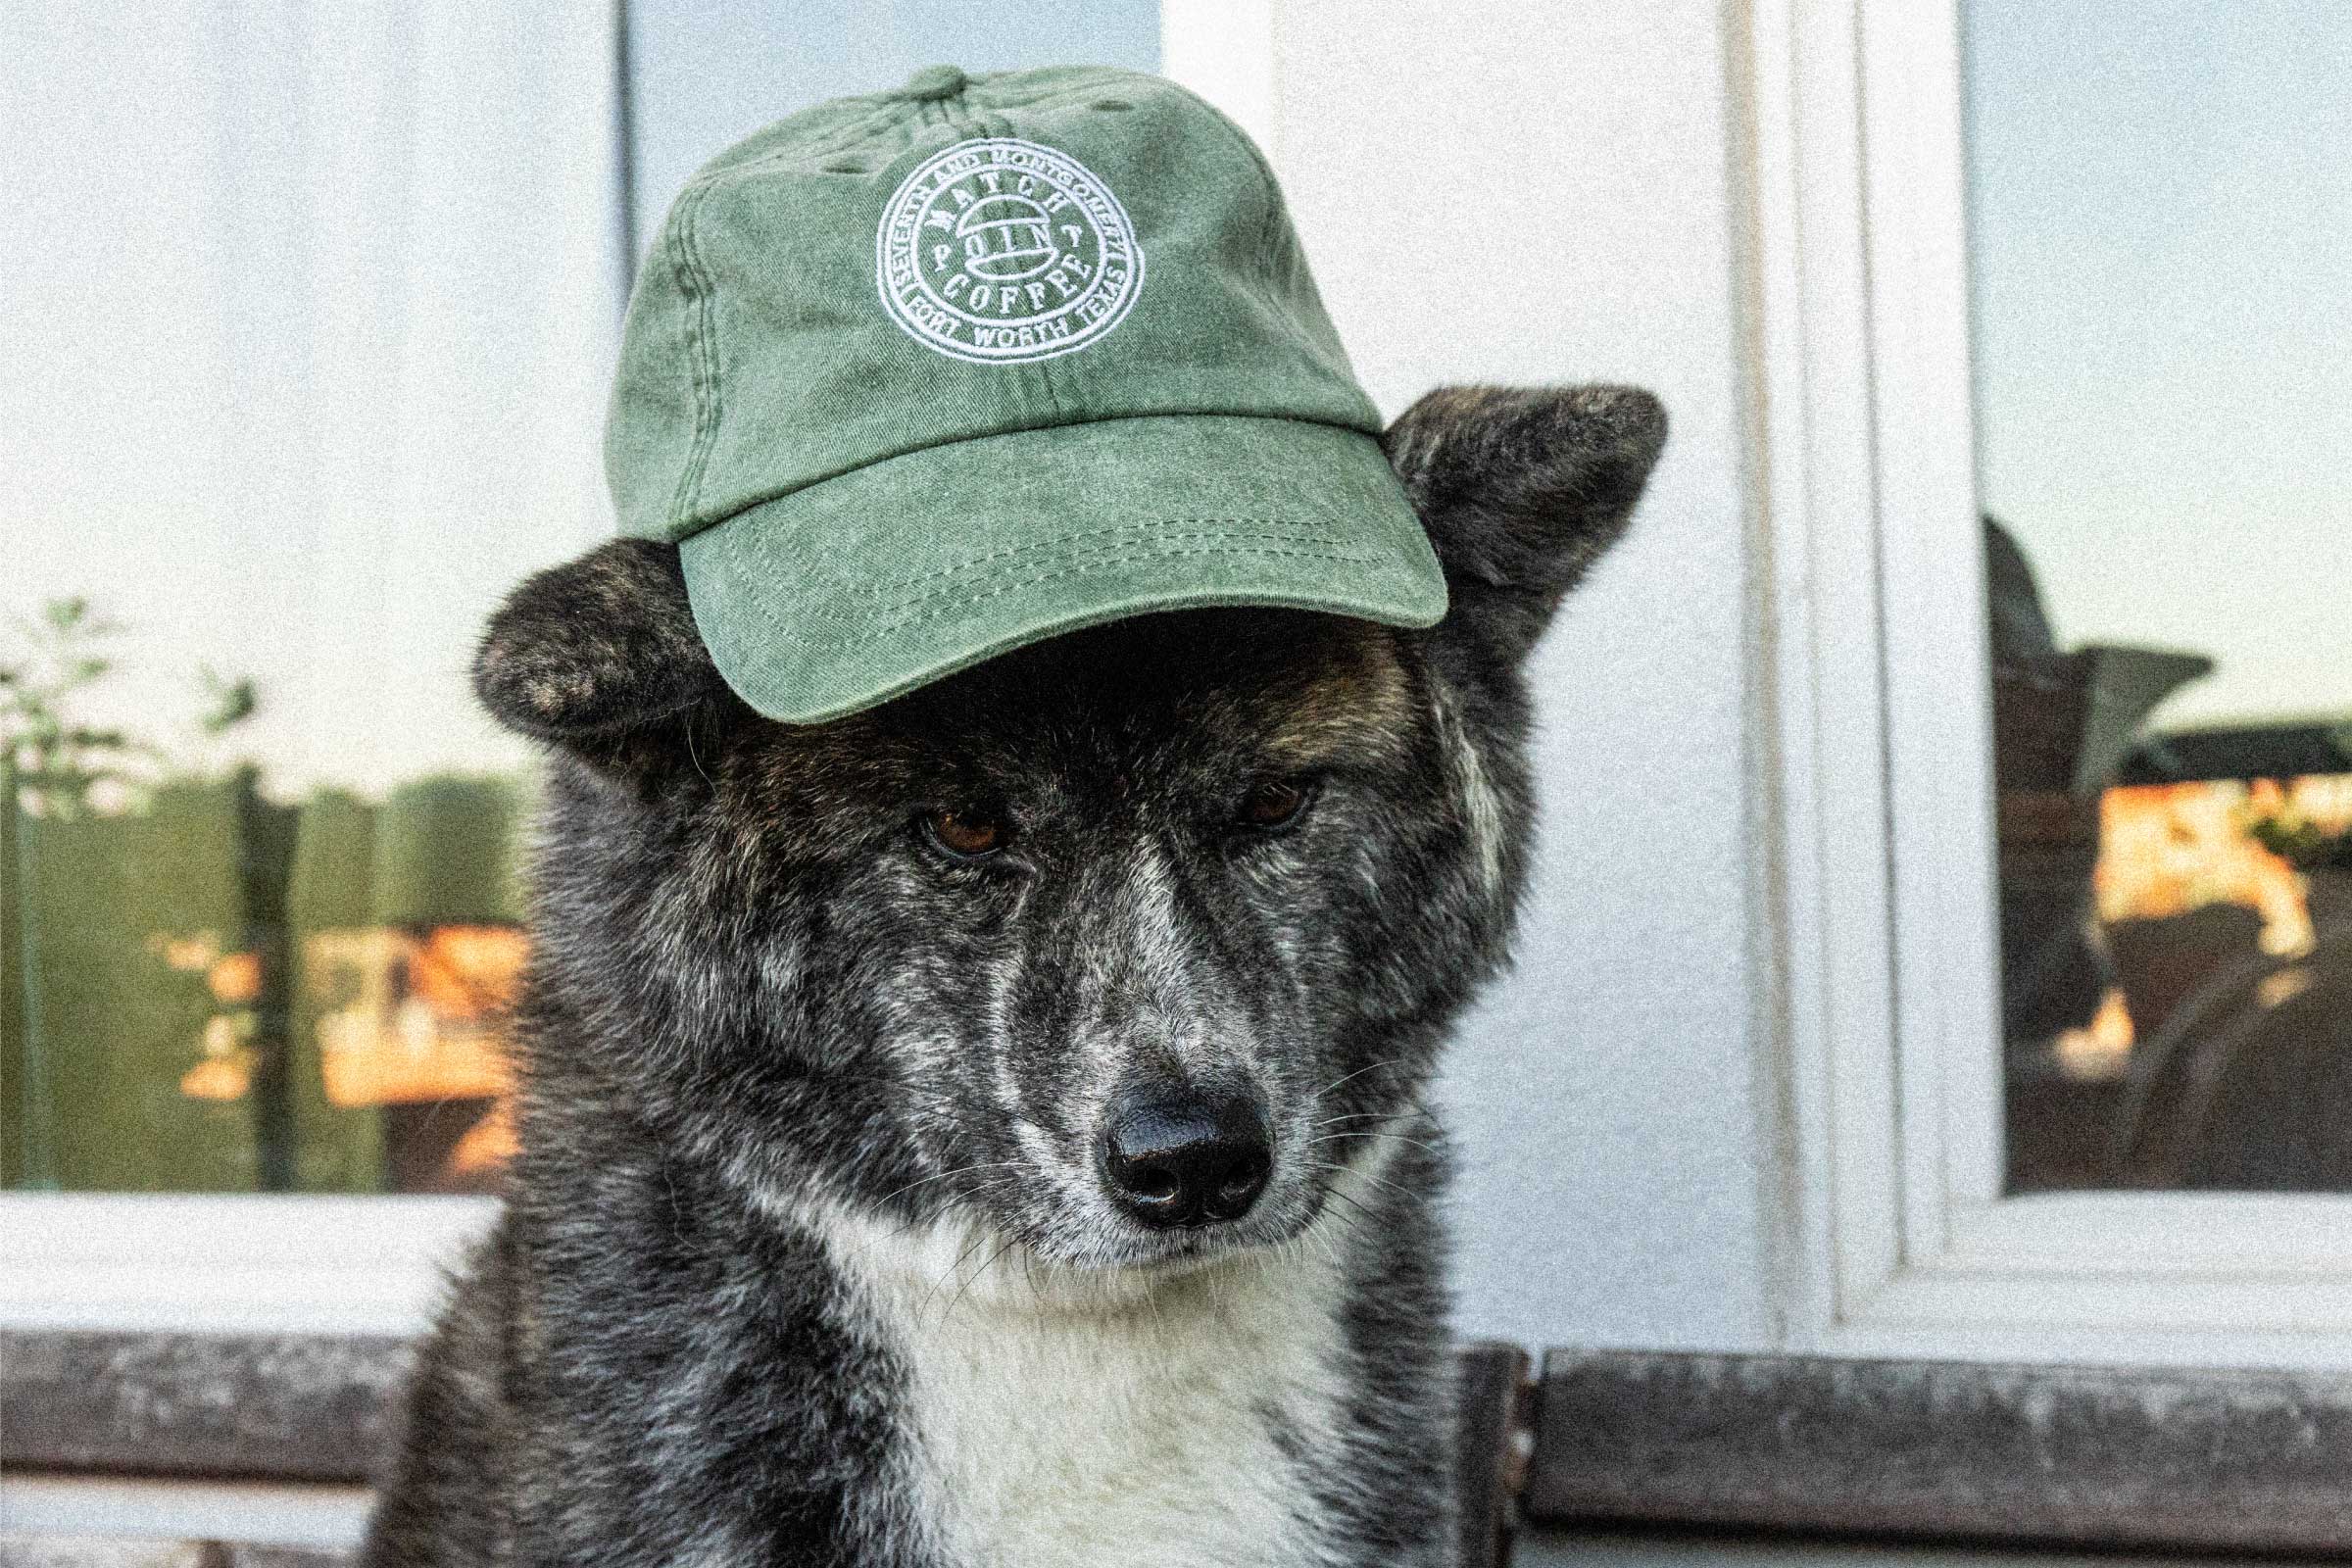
{"points": [[917, 378]]}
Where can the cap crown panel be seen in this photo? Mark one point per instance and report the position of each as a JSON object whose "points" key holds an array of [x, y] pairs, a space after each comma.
{"points": [[759, 355]]}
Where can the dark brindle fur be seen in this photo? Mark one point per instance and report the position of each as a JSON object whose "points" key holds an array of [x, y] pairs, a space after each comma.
{"points": [[781, 1054]]}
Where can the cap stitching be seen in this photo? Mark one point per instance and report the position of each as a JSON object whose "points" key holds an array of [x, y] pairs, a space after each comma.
{"points": [[1298, 534], [1110, 550], [694, 280], [1098, 565], [1098, 560], [1107, 549]]}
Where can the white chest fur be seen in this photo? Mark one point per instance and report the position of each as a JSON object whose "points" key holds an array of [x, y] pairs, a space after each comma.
{"points": [[1061, 1420]]}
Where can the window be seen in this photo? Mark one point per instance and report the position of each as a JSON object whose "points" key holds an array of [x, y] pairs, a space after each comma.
{"points": [[2154, 424], [2158, 217], [325, 314], [325, 378]]}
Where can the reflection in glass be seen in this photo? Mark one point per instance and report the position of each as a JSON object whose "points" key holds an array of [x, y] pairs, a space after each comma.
{"points": [[210, 990], [2160, 205], [322, 336]]}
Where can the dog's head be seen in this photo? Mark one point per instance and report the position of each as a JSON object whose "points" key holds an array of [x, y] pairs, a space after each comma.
{"points": [[1124, 945]]}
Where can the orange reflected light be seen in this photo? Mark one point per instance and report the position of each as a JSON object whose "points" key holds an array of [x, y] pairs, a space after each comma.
{"points": [[489, 1144], [422, 1016], [218, 1078], [2100, 1048], [236, 979], [2167, 849], [467, 971]]}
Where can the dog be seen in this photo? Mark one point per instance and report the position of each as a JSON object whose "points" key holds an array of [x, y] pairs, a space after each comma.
{"points": [[989, 1129]]}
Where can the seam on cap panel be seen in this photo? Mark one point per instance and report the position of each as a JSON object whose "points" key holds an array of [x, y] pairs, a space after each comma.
{"points": [[686, 266], [1250, 150], [1094, 80]]}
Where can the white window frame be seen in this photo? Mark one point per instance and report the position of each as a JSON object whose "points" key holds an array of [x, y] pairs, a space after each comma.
{"points": [[231, 1263], [1880, 713]]}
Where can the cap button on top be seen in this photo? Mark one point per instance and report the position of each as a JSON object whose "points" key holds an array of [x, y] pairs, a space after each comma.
{"points": [[934, 82]]}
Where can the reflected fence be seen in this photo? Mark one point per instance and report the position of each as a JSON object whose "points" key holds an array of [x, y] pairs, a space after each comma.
{"points": [[209, 990]]}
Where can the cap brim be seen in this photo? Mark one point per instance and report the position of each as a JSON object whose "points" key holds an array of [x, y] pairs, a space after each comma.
{"points": [[846, 592]]}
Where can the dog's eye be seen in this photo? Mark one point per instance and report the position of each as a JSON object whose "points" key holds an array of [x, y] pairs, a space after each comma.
{"points": [[966, 835], [1275, 802]]}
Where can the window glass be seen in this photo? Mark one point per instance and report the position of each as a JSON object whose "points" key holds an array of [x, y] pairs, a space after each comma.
{"points": [[309, 329], [2160, 212]]}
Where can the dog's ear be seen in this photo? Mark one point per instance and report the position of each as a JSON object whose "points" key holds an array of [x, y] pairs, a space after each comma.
{"points": [[1521, 489], [597, 650]]}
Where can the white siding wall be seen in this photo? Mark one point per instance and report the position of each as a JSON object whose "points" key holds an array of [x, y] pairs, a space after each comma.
{"points": [[1505, 192]]}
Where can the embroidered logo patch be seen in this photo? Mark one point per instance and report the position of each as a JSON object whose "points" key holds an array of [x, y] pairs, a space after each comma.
{"points": [[999, 250]]}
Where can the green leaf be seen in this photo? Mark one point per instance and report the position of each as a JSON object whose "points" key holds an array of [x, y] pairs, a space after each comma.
{"points": [[233, 700]]}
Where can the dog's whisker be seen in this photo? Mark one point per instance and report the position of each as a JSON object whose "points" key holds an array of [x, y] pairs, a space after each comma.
{"points": [[1382, 1181], [1336, 1169], [1389, 1061], [981, 1191], [1335, 1193], [960, 1170], [977, 1274], [1413, 1108], [1399, 1137], [978, 1241]]}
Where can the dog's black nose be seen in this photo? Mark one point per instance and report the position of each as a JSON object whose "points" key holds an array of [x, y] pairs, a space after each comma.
{"points": [[1187, 1161]]}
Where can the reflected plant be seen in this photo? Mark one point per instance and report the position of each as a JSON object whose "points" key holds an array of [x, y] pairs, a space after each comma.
{"points": [[59, 762], [2306, 821], [65, 767], [2303, 843]]}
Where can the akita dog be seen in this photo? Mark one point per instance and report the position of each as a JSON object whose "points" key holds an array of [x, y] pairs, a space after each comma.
{"points": [[1027, 799], [989, 1128]]}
